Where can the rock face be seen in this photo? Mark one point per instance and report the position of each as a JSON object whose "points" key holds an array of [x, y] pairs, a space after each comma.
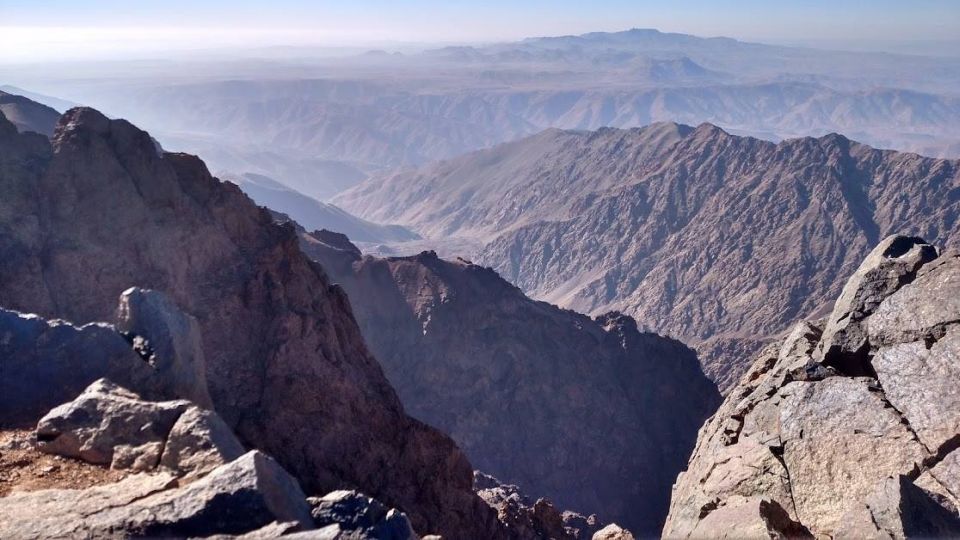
{"points": [[592, 413], [194, 479], [100, 209], [849, 428], [717, 239], [109, 425]]}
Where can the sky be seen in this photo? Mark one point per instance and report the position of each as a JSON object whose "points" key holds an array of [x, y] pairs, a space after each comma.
{"points": [[66, 29]]}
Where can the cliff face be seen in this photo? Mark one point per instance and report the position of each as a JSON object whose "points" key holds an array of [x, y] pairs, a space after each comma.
{"points": [[592, 413], [717, 239], [848, 427], [99, 209]]}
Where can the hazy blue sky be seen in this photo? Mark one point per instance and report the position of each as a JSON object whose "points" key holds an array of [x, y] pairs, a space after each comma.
{"points": [[31, 28]]}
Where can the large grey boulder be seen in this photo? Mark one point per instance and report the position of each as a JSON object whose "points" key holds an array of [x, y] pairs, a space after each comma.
{"points": [[244, 495], [198, 442], [110, 425], [168, 339], [893, 263], [852, 433]]}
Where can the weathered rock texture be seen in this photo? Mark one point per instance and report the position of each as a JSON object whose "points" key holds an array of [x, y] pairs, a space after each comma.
{"points": [[592, 413], [539, 519], [243, 495], [717, 239], [99, 209], [109, 425], [849, 428]]}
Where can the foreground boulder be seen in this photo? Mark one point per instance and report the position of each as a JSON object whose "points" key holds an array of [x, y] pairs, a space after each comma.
{"points": [[849, 428], [108, 425], [244, 495], [99, 209]]}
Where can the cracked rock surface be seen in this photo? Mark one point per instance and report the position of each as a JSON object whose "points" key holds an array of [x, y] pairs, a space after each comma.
{"points": [[845, 428], [109, 425]]}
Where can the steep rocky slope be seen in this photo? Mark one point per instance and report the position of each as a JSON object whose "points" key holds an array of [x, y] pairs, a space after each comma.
{"points": [[717, 239], [99, 209], [592, 413], [849, 427], [28, 115]]}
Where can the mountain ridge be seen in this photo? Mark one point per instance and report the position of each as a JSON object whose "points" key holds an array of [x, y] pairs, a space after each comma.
{"points": [[690, 230]]}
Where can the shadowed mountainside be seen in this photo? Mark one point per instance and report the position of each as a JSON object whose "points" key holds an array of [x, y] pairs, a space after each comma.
{"points": [[591, 413]]}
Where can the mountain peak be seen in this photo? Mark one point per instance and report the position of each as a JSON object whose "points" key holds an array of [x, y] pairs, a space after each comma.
{"points": [[82, 119]]}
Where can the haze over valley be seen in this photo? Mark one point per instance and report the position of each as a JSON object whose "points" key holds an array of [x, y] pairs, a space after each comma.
{"points": [[462, 270]]}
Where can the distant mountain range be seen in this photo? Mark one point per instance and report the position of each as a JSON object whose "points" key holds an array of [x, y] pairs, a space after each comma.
{"points": [[695, 232], [321, 125]]}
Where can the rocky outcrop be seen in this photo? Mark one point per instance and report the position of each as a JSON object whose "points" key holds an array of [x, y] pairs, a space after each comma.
{"points": [[99, 209], [356, 515], [192, 479], [719, 240], [243, 495], [528, 519], [109, 425], [845, 428], [594, 414], [45, 363]]}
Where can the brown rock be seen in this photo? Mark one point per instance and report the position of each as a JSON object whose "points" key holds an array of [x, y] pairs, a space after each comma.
{"points": [[100, 209]]}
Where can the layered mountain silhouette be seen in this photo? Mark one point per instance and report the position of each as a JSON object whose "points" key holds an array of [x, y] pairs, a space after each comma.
{"points": [[312, 213], [28, 115], [592, 413], [321, 134], [717, 239]]}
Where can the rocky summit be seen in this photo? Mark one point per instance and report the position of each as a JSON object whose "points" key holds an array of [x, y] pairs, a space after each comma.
{"points": [[592, 413], [99, 208], [850, 426]]}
